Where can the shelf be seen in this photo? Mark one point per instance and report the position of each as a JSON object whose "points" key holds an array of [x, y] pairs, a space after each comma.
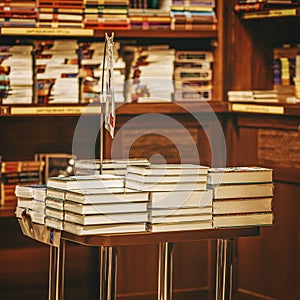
{"points": [[121, 109], [124, 33], [7, 212], [52, 110]]}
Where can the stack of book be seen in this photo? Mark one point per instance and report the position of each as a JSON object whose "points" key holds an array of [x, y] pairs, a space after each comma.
{"points": [[95, 204], [58, 71], [242, 196], [179, 199], [4, 72], [109, 166], [284, 70], [91, 64], [152, 74], [60, 14], [193, 75], [16, 173], [18, 60], [253, 96], [106, 14], [193, 15], [16, 13], [31, 201]]}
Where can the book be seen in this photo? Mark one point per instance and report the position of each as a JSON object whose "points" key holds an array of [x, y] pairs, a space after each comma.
{"points": [[104, 229], [30, 191], [168, 169], [180, 218], [162, 186], [180, 226], [54, 213], [180, 199], [116, 218], [104, 181], [158, 212], [54, 203], [54, 223], [245, 205], [56, 193], [165, 179], [228, 191], [115, 195], [105, 208], [237, 220], [239, 175]]}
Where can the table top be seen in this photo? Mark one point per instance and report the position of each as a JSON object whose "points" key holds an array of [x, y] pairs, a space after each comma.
{"points": [[53, 237]]}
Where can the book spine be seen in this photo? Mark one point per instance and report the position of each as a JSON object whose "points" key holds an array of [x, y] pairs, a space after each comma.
{"points": [[245, 7]]}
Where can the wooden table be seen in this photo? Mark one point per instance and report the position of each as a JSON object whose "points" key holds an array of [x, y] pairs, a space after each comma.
{"points": [[108, 255]]}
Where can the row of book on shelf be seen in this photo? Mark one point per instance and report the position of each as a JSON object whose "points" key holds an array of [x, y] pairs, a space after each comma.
{"points": [[136, 196], [286, 79], [254, 9], [108, 14], [70, 71]]}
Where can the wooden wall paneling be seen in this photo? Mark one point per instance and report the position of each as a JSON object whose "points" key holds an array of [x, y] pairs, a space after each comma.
{"points": [[268, 265]]}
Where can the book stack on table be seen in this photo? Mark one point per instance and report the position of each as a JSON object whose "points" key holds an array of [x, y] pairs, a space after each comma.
{"points": [[95, 204], [179, 199], [31, 201], [242, 196]]}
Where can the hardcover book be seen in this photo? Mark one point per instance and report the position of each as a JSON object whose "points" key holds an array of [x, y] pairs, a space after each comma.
{"points": [[104, 229], [104, 181], [239, 175]]}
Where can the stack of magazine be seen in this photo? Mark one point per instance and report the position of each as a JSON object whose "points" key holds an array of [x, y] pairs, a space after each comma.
{"points": [[31, 201], [242, 196], [178, 200]]}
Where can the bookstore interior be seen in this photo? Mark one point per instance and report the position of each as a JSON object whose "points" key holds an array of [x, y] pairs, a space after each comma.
{"points": [[150, 149]]}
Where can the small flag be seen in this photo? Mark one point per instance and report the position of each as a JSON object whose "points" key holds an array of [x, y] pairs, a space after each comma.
{"points": [[110, 114]]}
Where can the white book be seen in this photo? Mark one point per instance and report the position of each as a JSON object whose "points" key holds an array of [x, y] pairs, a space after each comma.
{"points": [[104, 229], [29, 191], [165, 178], [230, 191], [182, 218], [54, 223], [162, 186], [56, 193], [114, 195], [55, 213], [238, 220], [180, 199], [134, 217], [246, 205], [105, 208], [55, 203], [169, 169], [38, 206], [239, 175], [180, 226], [24, 202], [104, 181], [160, 212]]}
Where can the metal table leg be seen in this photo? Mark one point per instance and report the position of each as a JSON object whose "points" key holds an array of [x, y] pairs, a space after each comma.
{"points": [[57, 271], [165, 271], [224, 270], [108, 273]]}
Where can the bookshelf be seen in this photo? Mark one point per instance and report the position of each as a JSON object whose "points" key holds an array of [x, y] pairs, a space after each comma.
{"points": [[264, 138]]}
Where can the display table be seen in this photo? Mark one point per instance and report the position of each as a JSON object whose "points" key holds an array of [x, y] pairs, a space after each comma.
{"points": [[108, 255]]}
